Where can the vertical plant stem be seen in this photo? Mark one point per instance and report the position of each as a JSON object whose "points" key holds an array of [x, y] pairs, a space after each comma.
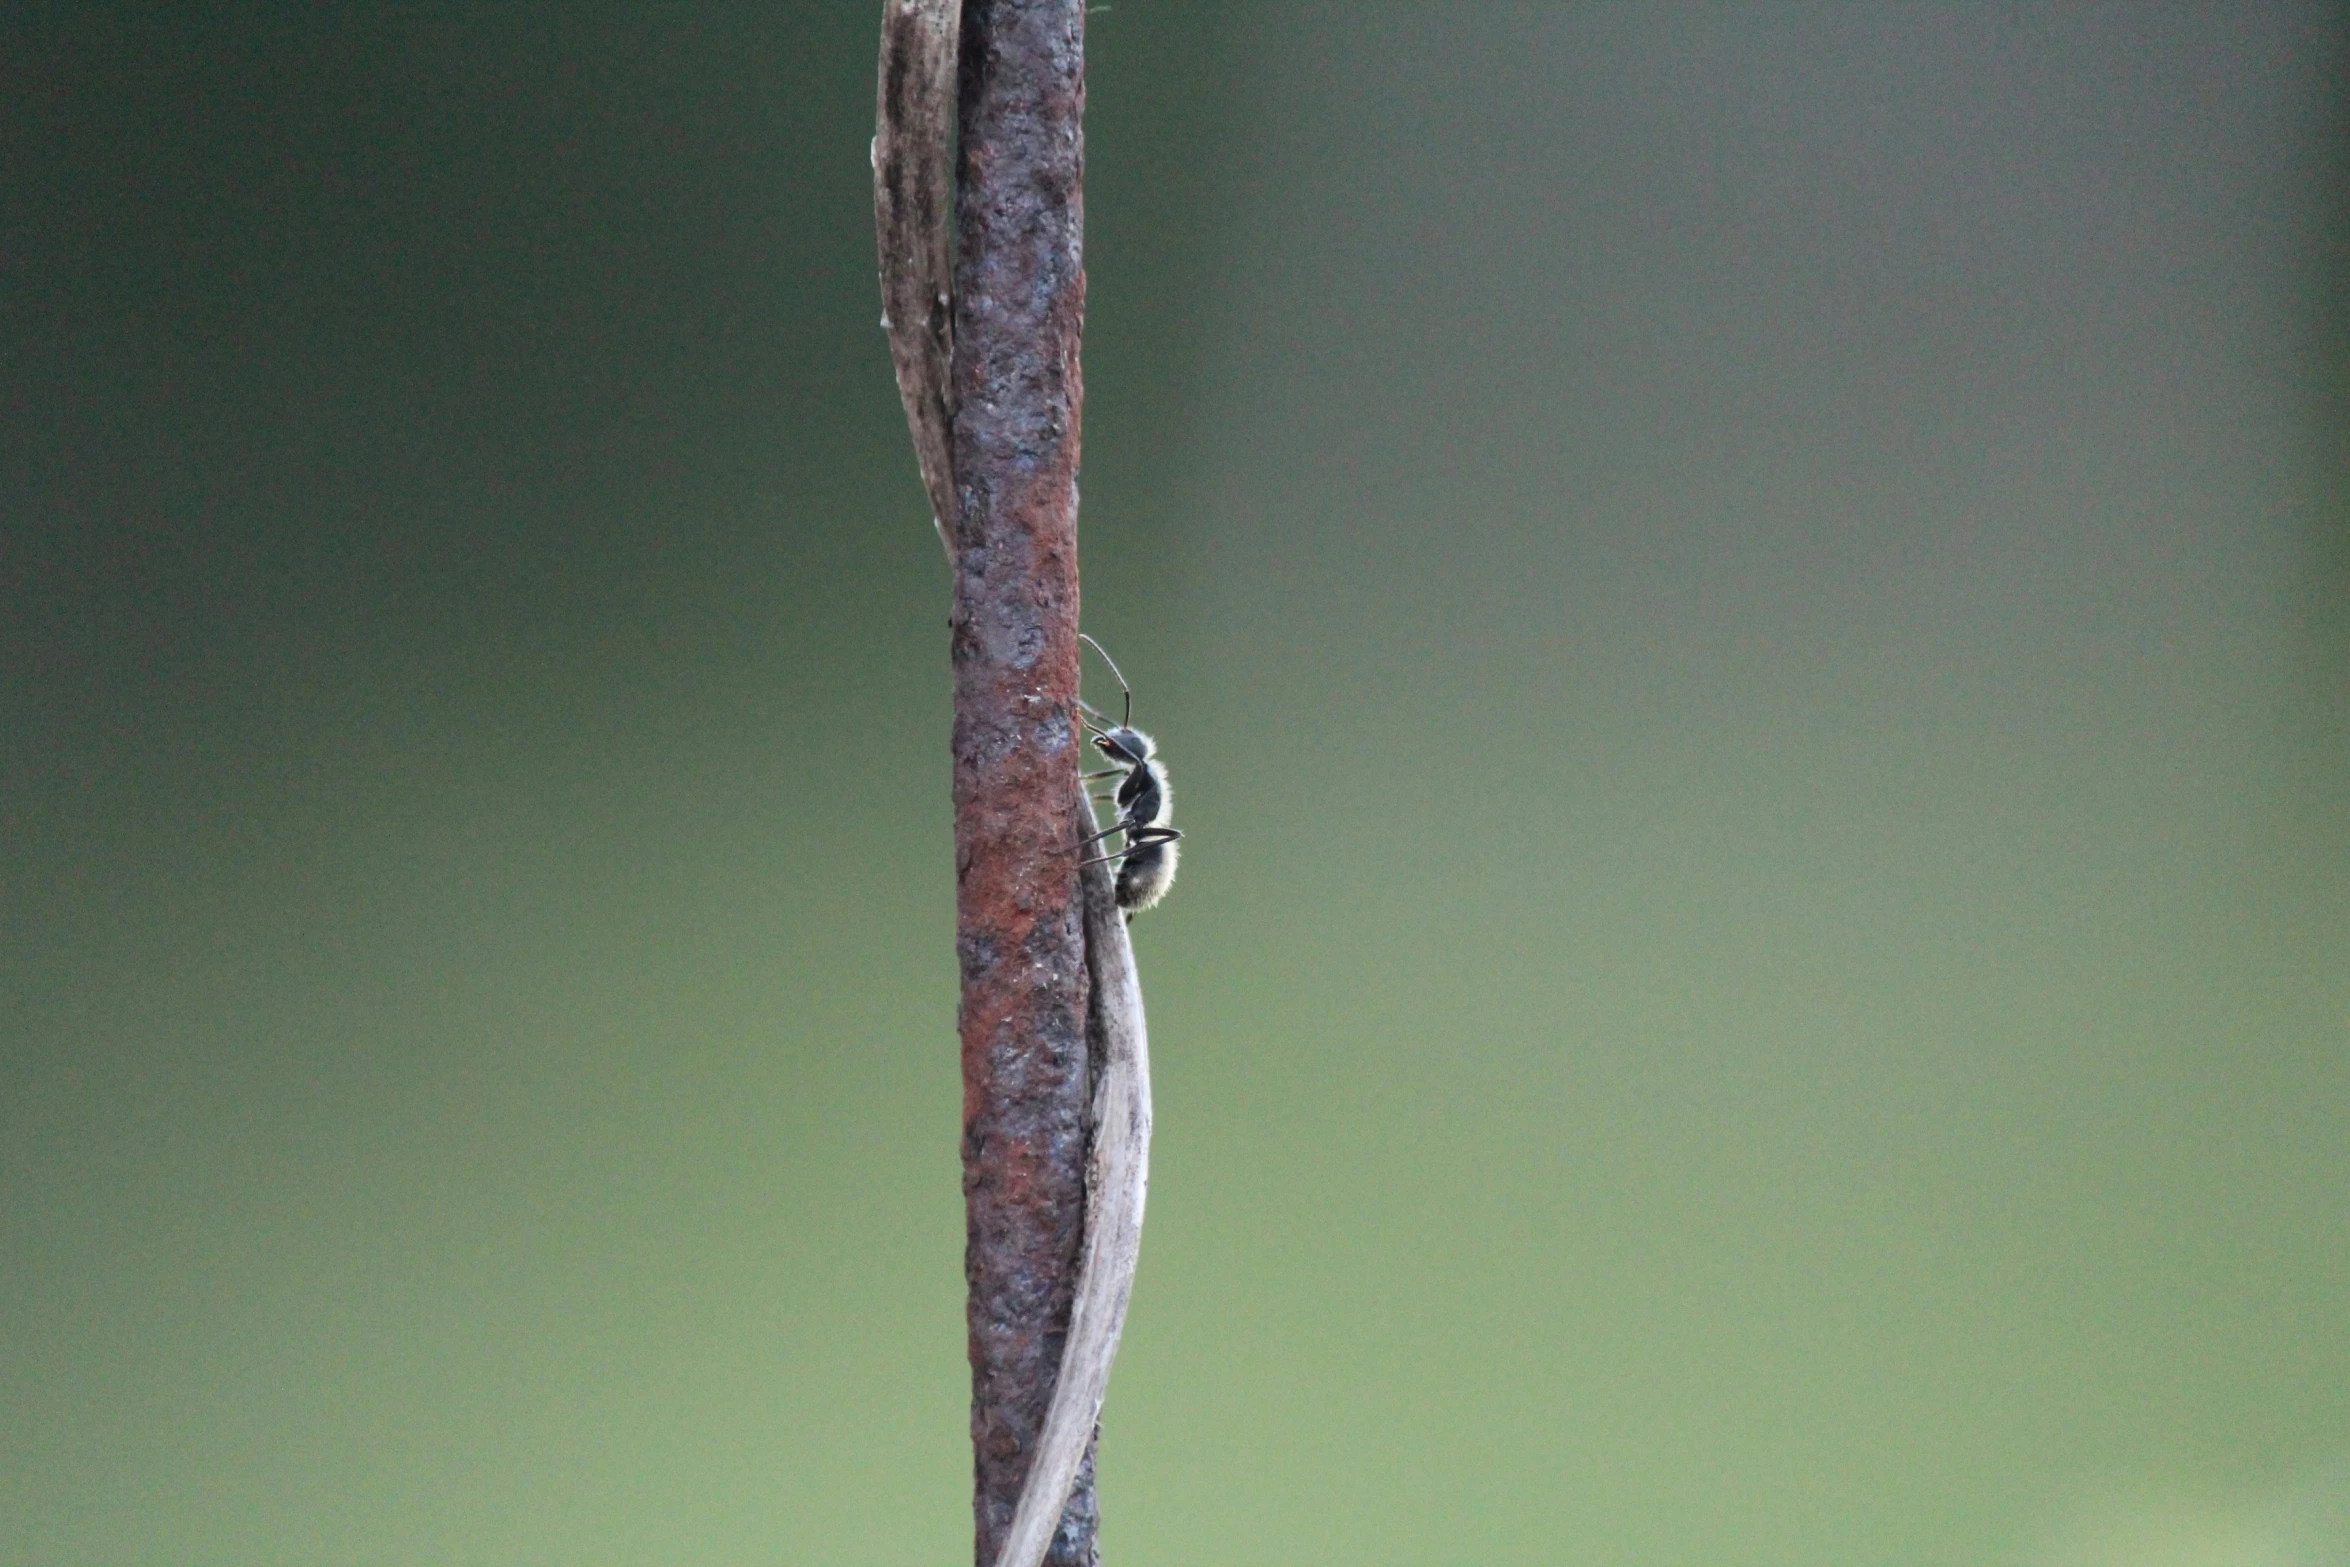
{"points": [[1019, 312]]}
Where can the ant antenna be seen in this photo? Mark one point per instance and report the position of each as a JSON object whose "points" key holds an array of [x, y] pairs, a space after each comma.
{"points": [[1115, 670]]}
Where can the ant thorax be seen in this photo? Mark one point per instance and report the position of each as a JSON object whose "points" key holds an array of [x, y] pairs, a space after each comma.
{"points": [[1143, 796]]}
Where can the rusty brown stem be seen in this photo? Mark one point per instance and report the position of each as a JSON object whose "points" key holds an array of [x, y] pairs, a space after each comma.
{"points": [[1019, 308]]}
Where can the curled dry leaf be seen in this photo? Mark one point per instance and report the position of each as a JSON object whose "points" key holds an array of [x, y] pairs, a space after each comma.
{"points": [[913, 217]]}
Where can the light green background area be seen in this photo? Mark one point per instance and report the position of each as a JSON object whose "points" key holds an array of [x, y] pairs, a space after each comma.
{"points": [[1750, 609]]}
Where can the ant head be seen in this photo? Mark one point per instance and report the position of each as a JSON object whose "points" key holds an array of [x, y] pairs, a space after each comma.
{"points": [[1125, 745]]}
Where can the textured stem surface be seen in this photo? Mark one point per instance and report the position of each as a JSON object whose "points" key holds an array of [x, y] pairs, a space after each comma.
{"points": [[1116, 1183], [1019, 306]]}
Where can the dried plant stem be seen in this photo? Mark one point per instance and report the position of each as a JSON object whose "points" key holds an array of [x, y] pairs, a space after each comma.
{"points": [[1116, 1184], [1056, 1067], [1019, 310]]}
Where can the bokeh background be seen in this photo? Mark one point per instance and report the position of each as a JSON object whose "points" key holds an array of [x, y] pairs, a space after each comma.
{"points": [[1750, 606]]}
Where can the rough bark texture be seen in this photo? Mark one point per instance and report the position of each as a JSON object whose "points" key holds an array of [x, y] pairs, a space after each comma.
{"points": [[1019, 310]]}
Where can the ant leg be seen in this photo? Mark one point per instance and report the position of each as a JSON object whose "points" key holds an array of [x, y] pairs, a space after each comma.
{"points": [[1139, 835], [1106, 831], [1137, 838]]}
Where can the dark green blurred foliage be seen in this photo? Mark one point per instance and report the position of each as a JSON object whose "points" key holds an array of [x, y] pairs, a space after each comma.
{"points": [[1747, 608]]}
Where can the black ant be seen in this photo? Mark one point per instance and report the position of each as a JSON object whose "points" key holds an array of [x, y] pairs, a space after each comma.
{"points": [[1146, 865]]}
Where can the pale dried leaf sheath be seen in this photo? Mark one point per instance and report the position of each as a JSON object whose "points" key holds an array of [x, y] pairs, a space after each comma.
{"points": [[1117, 1178], [913, 214]]}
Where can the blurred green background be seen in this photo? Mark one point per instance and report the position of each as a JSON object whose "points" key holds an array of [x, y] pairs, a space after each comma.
{"points": [[1750, 606]]}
